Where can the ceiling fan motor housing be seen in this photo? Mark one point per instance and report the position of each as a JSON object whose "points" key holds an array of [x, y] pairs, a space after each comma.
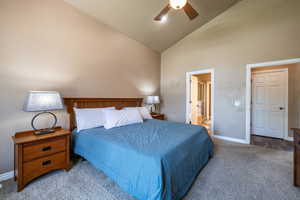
{"points": [[178, 4]]}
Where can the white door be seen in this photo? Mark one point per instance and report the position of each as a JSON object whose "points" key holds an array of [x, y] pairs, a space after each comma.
{"points": [[269, 103], [194, 99]]}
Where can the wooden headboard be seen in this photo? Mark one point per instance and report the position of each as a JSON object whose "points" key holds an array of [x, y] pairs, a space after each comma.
{"points": [[119, 103]]}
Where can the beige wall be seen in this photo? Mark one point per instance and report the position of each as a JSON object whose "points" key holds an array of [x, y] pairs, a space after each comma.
{"points": [[251, 31], [49, 45]]}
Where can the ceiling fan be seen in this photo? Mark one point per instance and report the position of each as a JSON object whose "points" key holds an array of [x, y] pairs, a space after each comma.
{"points": [[178, 5]]}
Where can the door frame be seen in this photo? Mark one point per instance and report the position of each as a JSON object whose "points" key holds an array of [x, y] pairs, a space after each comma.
{"points": [[249, 67], [188, 94], [286, 115]]}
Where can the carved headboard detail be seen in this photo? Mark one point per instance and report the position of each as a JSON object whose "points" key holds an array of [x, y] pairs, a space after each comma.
{"points": [[119, 103]]}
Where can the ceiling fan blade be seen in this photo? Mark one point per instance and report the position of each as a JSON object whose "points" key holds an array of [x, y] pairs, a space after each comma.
{"points": [[190, 11], [162, 13]]}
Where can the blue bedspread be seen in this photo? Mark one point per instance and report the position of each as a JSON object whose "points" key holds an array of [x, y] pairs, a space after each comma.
{"points": [[155, 160]]}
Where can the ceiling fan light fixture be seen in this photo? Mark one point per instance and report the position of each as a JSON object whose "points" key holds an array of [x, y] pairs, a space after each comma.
{"points": [[164, 19], [178, 4]]}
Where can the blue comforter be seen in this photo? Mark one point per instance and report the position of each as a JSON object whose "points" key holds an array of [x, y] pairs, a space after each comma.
{"points": [[154, 160]]}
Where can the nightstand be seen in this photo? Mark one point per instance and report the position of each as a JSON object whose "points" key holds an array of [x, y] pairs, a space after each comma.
{"points": [[158, 116], [36, 155]]}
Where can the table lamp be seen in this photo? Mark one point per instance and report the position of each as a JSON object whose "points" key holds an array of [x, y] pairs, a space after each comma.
{"points": [[153, 100], [43, 102]]}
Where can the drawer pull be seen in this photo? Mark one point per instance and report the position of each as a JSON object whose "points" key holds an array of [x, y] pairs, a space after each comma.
{"points": [[46, 148], [48, 162]]}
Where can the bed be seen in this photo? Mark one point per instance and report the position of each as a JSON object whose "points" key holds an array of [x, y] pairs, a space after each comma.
{"points": [[154, 160]]}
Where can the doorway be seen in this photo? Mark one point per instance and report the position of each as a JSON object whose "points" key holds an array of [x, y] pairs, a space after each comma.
{"points": [[270, 102], [200, 90], [269, 110]]}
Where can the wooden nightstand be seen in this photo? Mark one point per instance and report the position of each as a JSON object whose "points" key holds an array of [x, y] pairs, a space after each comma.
{"points": [[36, 155], [158, 116]]}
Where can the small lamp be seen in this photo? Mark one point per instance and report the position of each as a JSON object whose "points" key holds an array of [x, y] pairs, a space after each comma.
{"points": [[153, 100], [43, 102]]}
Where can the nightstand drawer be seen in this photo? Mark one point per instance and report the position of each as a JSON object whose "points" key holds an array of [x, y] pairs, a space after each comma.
{"points": [[44, 148], [35, 168]]}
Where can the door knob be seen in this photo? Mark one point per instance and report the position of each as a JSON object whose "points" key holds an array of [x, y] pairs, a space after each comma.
{"points": [[281, 108]]}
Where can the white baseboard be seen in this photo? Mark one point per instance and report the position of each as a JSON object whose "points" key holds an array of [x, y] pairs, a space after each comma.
{"points": [[230, 139], [291, 139], [6, 176]]}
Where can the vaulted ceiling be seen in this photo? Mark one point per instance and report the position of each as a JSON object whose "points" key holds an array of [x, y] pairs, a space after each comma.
{"points": [[134, 18]]}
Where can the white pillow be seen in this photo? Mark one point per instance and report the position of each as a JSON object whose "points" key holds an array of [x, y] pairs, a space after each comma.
{"points": [[90, 117], [143, 111], [117, 118]]}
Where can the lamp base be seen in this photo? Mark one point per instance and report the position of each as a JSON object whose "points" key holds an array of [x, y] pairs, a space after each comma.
{"points": [[45, 131]]}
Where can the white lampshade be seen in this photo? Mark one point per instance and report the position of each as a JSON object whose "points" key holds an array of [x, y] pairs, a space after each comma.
{"points": [[178, 4], [43, 101], [152, 100]]}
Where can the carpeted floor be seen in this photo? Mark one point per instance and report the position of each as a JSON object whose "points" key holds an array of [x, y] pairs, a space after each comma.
{"points": [[236, 172]]}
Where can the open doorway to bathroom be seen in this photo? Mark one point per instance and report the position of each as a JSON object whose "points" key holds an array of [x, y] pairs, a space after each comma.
{"points": [[200, 99]]}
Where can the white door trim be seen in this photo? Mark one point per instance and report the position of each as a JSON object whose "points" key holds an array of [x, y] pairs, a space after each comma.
{"points": [[188, 94], [249, 67]]}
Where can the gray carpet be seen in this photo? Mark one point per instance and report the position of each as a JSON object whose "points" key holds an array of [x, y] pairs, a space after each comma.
{"points": [[236, 172]]}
